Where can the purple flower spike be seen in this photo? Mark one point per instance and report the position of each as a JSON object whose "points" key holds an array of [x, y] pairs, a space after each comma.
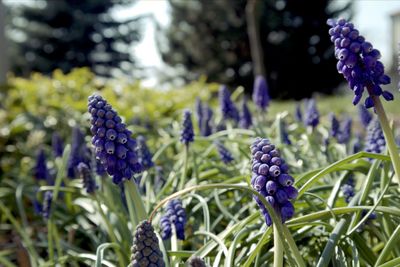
{"points": [[312, 114], [57, 144], [278, 189], [375, 140], [87, 178], [112, 142], [228, 108], [187, 134], [175, 215], [365, 116], [298, 113], [144, 154], [358, 62], [260, 93], [224, 153], [335, 126], [40, 171], [245, 116], [46, 207]]}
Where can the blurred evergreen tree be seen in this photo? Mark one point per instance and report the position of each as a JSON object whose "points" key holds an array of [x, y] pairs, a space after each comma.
{"points": [[210, 38], [65, 34]]}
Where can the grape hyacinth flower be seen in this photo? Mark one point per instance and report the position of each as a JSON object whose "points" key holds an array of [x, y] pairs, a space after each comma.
{"points": [[174, 215], [285, 135], [187, 134], [260, 93], [195, 261], [365, 116], [357, 145], [345, 131], [271, 179], [228, 108], [144, 154], [87, 178], [46, 206], [335, 125], [348, 189], [57, 144], [206, 126], [298, 114], [159, 180], [145, 250], [40, 171], [375, 141], [113, 144], [312, 114], [224, 153], [245, 116], [79, 152], [198, 107], [358, 62]]}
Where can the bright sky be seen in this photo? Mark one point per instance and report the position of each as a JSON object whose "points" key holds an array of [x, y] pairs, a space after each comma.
{"points": [[371, 17]]}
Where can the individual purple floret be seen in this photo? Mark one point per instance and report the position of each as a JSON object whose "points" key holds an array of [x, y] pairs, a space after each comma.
{"points": [[79, 152], [375, 140], [57, 144], [46, 206], [40, 171], [224, 153], [365, 116], [312, 114], [260, 93], [271, 179], [358, 62], [87, 178], [144, 154], [298, 113], [245, 116], [335, 125], [187, 134], [228, 108], [113, 144], [345, 131], [174, 215]]}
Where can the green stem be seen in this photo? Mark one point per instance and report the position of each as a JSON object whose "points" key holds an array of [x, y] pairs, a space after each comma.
{"points": [[174, 247], [137, 211], [185, 161], [278, 249], [50, 241], [387, 131], [111, 233], [58, 245]]}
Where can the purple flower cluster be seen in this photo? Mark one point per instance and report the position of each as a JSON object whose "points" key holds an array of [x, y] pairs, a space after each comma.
{"points": [[113, 144], [159, 179], [144, 154], [57, 144], [145, 251], [358, 62], [348, 189], [260, 93], [175, 215], [223, 152], [195, 261], [245, 116], [312, 114], [40, 171], [375, 140], [187, 134], [335, 125], [365, 116], [79, 152], [228, 108], [271, 180], [298, 114], [46, 206], [345, 131], [87, 178]]}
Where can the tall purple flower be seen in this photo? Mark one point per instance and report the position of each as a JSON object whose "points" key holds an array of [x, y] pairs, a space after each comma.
{"points": [[312, 114], [298, 114], [358, 62], [87, 178], [357, 144], [271, 179], [40, 171], [113, 144], [375, 140], [223, 152], [365, 116], [228, 108], [335, 125], [187, 134], [57, 144], [206, 122], [345, 131], [46, 206], [79, 152], [175, 215], [198, 107], [245, 116], [260, 93], [144, 154]]}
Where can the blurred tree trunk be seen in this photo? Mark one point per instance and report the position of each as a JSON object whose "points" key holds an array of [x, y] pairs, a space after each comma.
{"points": [[253, 31], [3, 45]]}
